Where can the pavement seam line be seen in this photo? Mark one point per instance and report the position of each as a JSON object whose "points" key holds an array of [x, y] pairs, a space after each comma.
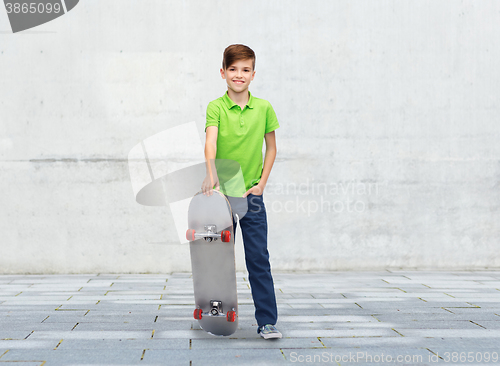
{"points": [[477, 306], [397, 332], [434, 353], [58, 344], [4, 353], [320, 341], [281, 350], [477, 324]]}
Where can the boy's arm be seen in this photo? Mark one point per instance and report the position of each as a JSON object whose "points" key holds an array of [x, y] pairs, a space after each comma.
{"points": [[271, 150], [211, 178]]}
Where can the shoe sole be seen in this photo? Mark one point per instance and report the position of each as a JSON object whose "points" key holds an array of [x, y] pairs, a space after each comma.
{"points": [[270, 336]]}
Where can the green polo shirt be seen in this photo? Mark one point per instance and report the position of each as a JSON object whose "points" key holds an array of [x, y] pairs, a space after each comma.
{"points": [[241, 136]]}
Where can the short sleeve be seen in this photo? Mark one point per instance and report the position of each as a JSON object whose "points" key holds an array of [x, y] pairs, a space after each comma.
{"points": [[271, 119], [213, 115]]}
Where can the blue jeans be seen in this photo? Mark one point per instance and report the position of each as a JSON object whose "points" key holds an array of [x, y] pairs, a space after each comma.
{"points": [[254, 230]]}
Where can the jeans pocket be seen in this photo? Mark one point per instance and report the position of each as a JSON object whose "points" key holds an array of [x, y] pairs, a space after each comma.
{"points": [[256, 195]]}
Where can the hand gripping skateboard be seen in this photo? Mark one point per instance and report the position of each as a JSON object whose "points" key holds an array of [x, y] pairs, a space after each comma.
{"points": [[210, 232]]}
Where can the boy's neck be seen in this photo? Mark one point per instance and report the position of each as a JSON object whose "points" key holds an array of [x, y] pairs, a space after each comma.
{"points": [[240, 98]]}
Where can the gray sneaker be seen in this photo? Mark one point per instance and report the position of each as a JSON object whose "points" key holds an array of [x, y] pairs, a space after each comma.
{"points": [[268, 331]]}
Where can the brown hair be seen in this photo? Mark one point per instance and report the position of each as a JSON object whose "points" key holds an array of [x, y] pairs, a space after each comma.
{"points": [[236, 52]]}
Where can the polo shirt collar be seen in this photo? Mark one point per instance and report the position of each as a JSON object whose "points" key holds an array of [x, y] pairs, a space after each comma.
{"points": [[230, 104]]}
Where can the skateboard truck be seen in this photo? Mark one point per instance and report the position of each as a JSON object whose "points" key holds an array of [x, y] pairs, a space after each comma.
{"points": [[216, 307], [211, 230], [216, 310], [209, 234]]}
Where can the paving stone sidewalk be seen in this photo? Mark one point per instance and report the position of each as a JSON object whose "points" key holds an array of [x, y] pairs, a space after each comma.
{"points": [[337, 318]]}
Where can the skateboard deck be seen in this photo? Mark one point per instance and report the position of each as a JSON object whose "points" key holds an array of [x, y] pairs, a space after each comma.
{"points": [[210, 232]]}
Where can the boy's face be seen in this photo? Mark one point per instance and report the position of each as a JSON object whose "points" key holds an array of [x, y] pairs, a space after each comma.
{"points": [[238, 75]]}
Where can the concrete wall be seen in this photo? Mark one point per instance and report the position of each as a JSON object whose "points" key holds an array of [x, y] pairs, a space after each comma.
{"points": [[388, 153]]}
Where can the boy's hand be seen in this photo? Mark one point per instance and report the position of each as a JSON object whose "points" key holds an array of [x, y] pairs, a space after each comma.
{"points": [[256, 190], [209, 183]]}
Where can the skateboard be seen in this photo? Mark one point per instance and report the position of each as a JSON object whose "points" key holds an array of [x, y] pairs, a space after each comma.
{"points": [[210, 233]]}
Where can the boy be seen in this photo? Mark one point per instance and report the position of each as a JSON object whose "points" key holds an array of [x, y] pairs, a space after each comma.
{"points": [[237, 123]]}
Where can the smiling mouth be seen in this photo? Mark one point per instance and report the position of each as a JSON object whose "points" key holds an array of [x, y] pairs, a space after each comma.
{"points": [[238, 82]]}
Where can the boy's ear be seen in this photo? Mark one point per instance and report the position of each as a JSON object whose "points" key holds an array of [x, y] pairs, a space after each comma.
{"points": [[222, 73]]}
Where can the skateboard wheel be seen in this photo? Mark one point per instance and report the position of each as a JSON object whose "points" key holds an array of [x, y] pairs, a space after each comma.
{"points": [[190, 234], [225, 236], [231, 316], [197, 314]]}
